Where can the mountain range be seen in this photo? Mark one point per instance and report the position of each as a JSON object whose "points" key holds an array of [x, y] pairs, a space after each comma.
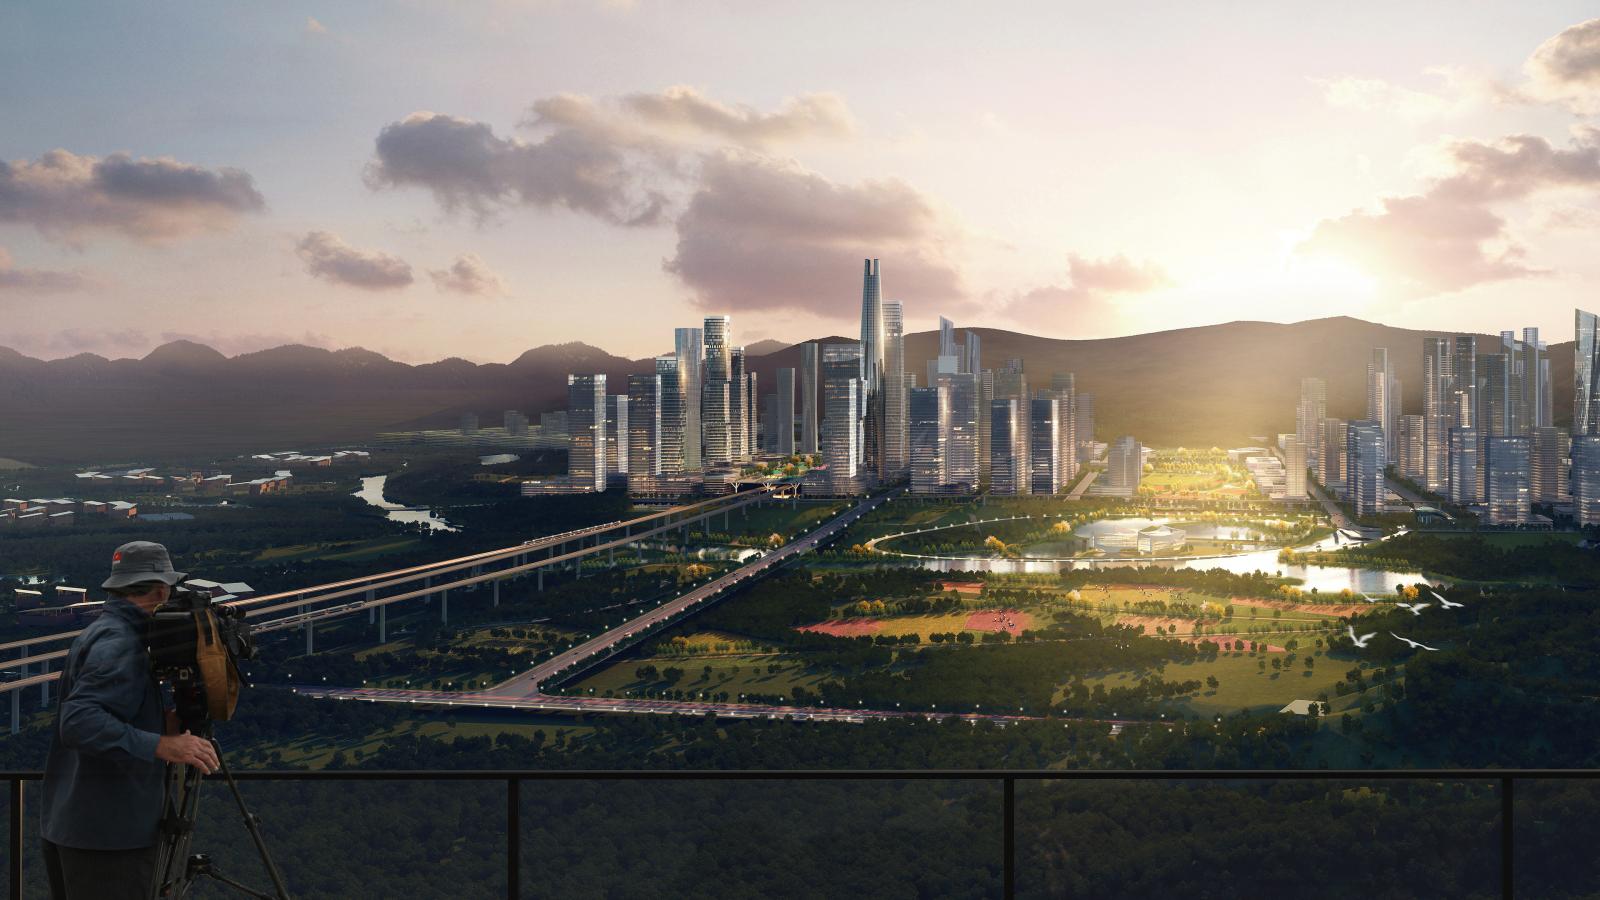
{"points": [[1211, 385]]}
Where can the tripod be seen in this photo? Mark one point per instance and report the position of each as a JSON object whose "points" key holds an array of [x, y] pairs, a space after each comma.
{"points": [[176, 869]]}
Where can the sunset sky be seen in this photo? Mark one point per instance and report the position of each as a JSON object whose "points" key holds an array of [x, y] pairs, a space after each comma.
{"points": [[431, 179]]}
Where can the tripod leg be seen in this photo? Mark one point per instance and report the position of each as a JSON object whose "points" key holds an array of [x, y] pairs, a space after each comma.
{"points": [[177, 833], [253, 825]]}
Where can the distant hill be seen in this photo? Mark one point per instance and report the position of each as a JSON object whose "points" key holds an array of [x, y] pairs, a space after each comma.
{"points": [[1198, 386]]}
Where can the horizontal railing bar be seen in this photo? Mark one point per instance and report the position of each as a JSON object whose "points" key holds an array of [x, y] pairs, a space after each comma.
{"points": [[885, 774]]}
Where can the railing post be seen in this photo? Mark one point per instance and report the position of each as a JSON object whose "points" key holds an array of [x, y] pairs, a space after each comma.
{"points": [[1010, 840], [14, 839], [1506, 843], [513, 838]]}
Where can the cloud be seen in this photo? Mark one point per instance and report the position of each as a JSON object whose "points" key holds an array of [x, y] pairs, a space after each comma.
{"points": [[759, 234], [315, 27], [1449, 237], [1424, 244], [64, 196], [618, 160], [466, 165], [469, 275], [1089, 303], [111, 343], [1518, 165], [683, 109], [1566, 68], [37, 281], [328, 257], [1459, 93]]}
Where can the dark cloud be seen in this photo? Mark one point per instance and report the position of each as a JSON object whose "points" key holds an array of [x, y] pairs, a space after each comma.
{"points": [[37, 281], [1566, 67], [466, 165], [1088, 304], [763, 235], [327, 256], [64, 195], [469, 275]]}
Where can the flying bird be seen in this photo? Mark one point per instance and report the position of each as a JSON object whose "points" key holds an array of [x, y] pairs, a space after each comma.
{"points": [[1415, 645], [1446, 604], [1366, 598], [1414, 608], [1360, 641]]}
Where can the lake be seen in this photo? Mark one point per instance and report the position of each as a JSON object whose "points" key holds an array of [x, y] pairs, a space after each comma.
{"points": [[371, 493]]}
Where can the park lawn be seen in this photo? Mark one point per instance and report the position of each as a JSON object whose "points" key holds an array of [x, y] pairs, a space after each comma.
{"points": [[1172, 482], [353, 551], [736, 673], [1241, 684], [317, 752], [779, 518]]}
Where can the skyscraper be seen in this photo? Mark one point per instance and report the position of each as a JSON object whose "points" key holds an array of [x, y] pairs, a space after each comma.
{"points": [[929, 410], [1464, 383], [1464, 464], [1586, 373], [984, 380], [1548, 450], [1438, 393], [961, 440], [841, 399], [1294, 470], [1507, 479], [1409, 445], [1494, 394], [586, 430], [1065, 386], [972, 354], [716, 394], [644, 425], [783, 414], [1364, 467], [1008, 443], [752, 415], [1333, 457], [1383, 403], [896, 453], [1083, 415], [1046, 460], [810, 380], [617, 433], [689, 347], [873, 341], [1311, 410], [1124, 467], [1586, 478], [738, 406], [671, 417]]}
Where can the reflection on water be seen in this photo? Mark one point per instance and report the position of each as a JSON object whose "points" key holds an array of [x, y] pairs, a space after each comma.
{"points": [[371, 493], [1326, 579]]}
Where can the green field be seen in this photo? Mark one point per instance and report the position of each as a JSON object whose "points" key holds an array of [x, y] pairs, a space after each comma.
{"points": [[734, 673]]}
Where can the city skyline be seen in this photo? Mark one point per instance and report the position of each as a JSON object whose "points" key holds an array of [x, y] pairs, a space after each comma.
{"points": [[247, 217]]}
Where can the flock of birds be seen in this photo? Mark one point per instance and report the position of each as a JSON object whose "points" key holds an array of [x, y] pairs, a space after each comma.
{"points": [[1415, 609]]}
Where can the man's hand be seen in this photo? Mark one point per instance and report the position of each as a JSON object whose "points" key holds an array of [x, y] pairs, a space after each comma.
{"points": [[188, 750]]}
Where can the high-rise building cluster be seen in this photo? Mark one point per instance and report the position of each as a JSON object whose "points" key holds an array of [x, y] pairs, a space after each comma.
{"points": [[698, 418], [1485, 437]]}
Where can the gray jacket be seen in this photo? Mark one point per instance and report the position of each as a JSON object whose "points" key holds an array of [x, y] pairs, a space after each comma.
{"points": [[103, 787]]}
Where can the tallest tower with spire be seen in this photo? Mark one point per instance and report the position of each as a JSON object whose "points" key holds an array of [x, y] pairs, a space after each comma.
{"points": [[872, 369]]}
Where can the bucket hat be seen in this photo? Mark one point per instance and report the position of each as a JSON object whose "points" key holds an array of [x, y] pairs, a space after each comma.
{"points": [[140, 561]]}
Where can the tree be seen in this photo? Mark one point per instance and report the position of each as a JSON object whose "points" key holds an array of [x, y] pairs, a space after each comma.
{"points": [[1212, 682]]}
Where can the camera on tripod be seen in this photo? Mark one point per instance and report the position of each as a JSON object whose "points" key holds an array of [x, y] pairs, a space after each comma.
{"points": [[195, 646]]}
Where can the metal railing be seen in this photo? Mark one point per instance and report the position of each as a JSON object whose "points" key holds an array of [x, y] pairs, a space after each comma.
{"points": [[513, 779]]}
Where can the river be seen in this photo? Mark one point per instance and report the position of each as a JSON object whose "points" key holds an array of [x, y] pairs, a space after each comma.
{"points": [[371, 493]]}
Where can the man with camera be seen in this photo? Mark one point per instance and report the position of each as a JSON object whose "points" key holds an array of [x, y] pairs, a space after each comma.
{"points": [[105, 780]]}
